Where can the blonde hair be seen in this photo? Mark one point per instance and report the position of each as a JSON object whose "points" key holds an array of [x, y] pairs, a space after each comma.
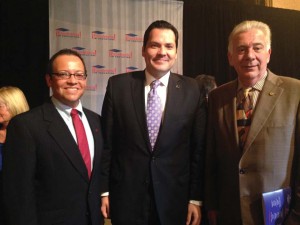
{"points": [[14, 99], [249, 25]]}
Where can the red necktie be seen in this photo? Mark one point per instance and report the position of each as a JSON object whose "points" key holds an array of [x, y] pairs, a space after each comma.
{"points": [[82, 140]]}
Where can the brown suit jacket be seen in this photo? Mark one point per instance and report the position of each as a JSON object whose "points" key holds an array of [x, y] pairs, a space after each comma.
{"points": [[236, 179]]}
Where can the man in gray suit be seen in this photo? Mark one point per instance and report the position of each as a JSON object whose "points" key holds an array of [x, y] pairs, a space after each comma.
{"points": [[238, 171]]}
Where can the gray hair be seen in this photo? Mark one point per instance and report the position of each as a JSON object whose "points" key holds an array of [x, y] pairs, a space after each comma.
{"points": [[248, 25]]}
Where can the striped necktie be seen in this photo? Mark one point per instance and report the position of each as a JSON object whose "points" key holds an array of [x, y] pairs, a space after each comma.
{"points": [[244, 113]]}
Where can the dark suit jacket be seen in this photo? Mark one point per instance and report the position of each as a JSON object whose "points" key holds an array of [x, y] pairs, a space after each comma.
{"points": [[270, 160], [174, 167], [45, 178]]}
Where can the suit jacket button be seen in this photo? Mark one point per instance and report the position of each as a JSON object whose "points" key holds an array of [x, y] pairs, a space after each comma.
{"points": [[153, 158], [242, 171]]}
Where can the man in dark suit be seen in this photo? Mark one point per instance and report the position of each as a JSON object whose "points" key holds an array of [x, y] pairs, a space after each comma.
{"points": [[240, 168], [47, 180], [159, 183]]}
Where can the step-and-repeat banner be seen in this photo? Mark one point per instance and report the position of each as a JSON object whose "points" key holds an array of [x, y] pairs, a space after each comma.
{"points": [[109, 36]]}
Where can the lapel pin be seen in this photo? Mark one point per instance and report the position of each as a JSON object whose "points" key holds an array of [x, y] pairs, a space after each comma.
{"points": [[177, 85], [271, 93]]}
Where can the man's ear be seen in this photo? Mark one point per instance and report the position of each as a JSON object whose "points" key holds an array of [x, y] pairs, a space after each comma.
{"points": [[143, 51], [269, 51], [48, 80], [229, 56]]}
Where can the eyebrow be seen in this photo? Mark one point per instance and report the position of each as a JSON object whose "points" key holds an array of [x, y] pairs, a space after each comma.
{"points": [[254, 44]]}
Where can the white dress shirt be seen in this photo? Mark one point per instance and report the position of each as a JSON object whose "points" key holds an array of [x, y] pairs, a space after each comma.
{"points": [[161, 89], [65, 112]]}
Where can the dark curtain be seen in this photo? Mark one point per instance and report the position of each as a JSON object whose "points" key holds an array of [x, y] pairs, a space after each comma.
{"points": [[24, 41], [24, 47], [206, 28]]}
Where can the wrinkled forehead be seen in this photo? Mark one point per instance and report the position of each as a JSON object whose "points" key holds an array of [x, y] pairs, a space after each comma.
{"points": [[250, 37]]}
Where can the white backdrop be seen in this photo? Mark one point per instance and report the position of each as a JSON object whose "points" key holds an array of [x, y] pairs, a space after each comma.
{"points": [[109, 34]]}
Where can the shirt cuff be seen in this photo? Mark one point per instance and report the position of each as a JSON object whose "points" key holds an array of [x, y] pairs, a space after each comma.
{"points": [[194, 202], [104, 194]]}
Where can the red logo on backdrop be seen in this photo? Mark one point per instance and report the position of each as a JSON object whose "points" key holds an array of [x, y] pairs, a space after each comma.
{"points": [[99, 69], [64, 32], [133, 38], [91, 87], [117, 53], [84, 52], [131, 69], [102, 36]]}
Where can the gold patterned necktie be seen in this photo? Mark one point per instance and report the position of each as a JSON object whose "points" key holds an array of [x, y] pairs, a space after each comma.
{"points": [[244, 113]]}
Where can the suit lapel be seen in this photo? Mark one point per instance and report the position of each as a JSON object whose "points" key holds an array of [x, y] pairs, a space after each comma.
{"points": [[138, 97], [229, 111], [174, 98], [229, 107], [63, 137], [268, 99], [95, 128]]}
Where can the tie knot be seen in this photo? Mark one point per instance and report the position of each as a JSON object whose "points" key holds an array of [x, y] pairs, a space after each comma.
{"points": [[154, 84], [246, 91], [74, 112]]}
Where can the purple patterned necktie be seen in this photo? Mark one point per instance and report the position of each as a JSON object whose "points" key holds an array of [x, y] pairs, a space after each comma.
{"points": [[153, 112]]}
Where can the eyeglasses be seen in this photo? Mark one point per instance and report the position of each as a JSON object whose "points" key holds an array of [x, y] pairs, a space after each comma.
{"points": [[66, 75]]}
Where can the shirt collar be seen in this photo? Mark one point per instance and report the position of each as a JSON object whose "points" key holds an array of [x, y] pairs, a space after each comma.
{"points": [[64, 108], [164, 79], [259, 84]]}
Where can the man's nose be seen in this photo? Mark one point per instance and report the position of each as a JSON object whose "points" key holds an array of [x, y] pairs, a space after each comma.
{"points": [[250, 53], [162, 50], [72, 78]]}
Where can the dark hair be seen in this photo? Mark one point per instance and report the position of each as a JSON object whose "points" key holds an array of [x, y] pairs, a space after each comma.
{"points": [[160, 24], [206, 83], [65, 51]]}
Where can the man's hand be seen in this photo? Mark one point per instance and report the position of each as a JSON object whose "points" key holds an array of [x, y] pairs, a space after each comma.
{"points": [[105, 206], [194, 215]]}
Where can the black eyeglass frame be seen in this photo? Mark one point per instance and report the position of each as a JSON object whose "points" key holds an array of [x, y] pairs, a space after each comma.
{"points": [[66, 75]]}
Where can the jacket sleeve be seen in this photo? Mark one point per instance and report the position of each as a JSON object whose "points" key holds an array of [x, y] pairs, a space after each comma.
{"points": [[294, 213], [107, 128], [198, 141], [19, 171]]}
